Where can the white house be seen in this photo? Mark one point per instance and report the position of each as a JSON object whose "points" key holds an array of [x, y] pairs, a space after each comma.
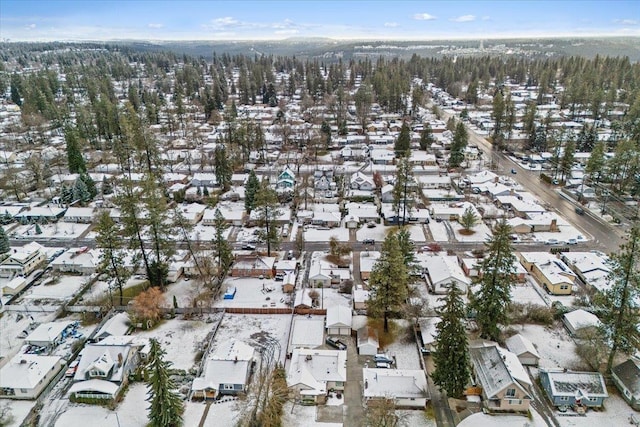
{"points": [[14, 286], [338, 320], [23, 261], [523, 349], [312, 373], [79, 215], [442, 271], [579, 319], [77, 260], [407, 387], [47, 334], [26, 375], [360, 181]]}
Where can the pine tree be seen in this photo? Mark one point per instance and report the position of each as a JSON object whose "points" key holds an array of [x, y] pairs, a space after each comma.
{"points": [[498, 271], [38, 229], [426, 137], [460, 139], [596, 162], [4, 242], [403, 143], [403, 190], [112, 255], [222, 167], [166, 406], [91, 185], [250, 190], [451, 355], [107, 186], [267, 207], [498, 116], [566, 162], [618, 304], [388, 281], [74, 151], [469, 219], [221, 246], [80, 191]]}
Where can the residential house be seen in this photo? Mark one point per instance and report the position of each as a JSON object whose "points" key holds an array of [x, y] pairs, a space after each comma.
{"points": [[25, 376], [591, 267], [285, 266], [232, 212], [192, 212], [204, 179], [41, 214], [326, 219], [407, 387], [550, 272], [386, 193], [226, 371], [48, 335], [367, 341], [579, 319], [569, 388], [442, 271], [524, 349], [368, 260], [505, 384], [286, 179], [360, 181], [104, 369], [313, 372], [23, 261], [339, 320], [626, 376], [118, 325], [79, 215], [306, 332], [253, 266], [77, 260], [542, 222], [14, 286]]}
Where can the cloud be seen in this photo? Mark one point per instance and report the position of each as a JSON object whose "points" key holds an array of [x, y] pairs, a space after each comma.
{"points": [[464, 18], [288, 32], [486, 18], [155, 25], [626, 21], [30, 27], [391, 24], [423, 17], [226, 21]]}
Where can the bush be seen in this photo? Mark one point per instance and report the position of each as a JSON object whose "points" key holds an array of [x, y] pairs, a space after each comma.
{"points": [[530, 313]]}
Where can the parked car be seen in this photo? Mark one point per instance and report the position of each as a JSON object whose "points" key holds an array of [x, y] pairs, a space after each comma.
{"points": [[383, 365], [371, 224], [513, 171], [552, 242], [382, 358], [572, 242], [279, 277], [368, 241], [71, 370], [248, 247], [336, 343]]}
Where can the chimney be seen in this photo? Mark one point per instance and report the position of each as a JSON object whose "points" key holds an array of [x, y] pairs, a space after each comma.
{"points": [[120, 359], [235, 360], [308, 358]]}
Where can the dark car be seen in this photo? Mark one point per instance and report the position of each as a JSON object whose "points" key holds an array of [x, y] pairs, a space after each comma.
{"points": [[368, 241], [579, 211], [336, 343]]}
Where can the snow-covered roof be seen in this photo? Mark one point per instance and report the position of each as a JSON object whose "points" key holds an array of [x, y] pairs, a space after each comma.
{"points": [[578, 384], [95, 385], [118, 324], [307, 332], [47, 332], [102, 358], [428, 330], [368, 259], [312, 369], [495, 373], [233, 350], [399, 383], [443, 269], [580, 318], [218, 372], [26, 371], [338, 316], [519, 345]]}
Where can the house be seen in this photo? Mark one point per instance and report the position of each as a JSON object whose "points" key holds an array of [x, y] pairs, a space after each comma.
{"points": [[313, 372], [40, 214], [579, 319], [253, 266], [367, 341], [226, 372], [360, 297], [192, 212], [523, 349], [289, 282], [386, 193], [306, 332], [338, 320], [549, 271], [206, 179], [368, 260], [232, 212], [14, 286], [104, 368], [23, 261], [442, 271], [626, 376], [407, 387], [569, 388], [504, 381], [286, 179], [25, 376], [360, 181], [48, 335], [326, 219], [285, 266], [118, 325], [428, 332], [592, 268], [79, 215], [77, 260]]}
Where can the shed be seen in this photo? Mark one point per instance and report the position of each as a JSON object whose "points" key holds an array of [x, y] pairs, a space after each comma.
{"points": [[368, 343], [47, 334], [524, 349], [626, 376], [338, 320], [428, 332], [578, 319]]}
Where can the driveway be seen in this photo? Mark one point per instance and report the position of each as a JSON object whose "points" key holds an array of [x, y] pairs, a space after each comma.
{"points": [[354, 411]]}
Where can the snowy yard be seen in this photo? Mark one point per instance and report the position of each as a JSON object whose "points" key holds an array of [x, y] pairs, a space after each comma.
{"points": [[206, 233], [616, 413], [416, 418], [11, 327], [303, 416], [63, 288], [324, 234], [439, 231], [556, 348], [481, 232], [405, 351], [379, 233], [254, 292], [19, 410], [221, 414], [58, 230], [525, 293]]}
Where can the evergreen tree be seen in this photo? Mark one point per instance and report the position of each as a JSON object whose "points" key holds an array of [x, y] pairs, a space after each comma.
{"points": [[251, 188], [80, 191], [618, 303], [166, 406], [112, 255], [388, 281], [426, 137], [74, 151], [596, 162], [403, 190], [221, 246], [4, 242], [451, 355], [91, 185], [498, 116], [107, 186], [469, 218], [403, 143], [460, 140], [38, 229], [267, 206], [566, 162], [222, 167], [408, 250], [498, 271]]}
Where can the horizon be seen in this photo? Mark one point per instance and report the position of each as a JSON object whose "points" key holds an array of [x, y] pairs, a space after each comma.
{"points": [[162, 21]]}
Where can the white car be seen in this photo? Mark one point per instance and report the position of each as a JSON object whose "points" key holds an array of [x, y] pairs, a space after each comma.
{"points": [[71, 371]]}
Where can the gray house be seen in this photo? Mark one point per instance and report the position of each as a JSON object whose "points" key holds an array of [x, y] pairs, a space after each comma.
{"points": [[626, 376], [568, 388]]}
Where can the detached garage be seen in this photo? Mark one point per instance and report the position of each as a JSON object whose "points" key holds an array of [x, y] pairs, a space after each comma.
{"points": [[339, 320]]}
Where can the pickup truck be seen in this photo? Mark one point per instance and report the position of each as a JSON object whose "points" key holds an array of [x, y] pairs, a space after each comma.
{"points": [[336, 343]]}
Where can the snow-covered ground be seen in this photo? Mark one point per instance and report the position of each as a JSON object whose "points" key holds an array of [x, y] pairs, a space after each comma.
{"points": [[62, 289], [10, 328], [556, 348], [58, 230], [324, 234], [481, 232], [19, 411], [485, 420], [616, 413], [438, 231], [221, 414], [303, 416], [206, 233], [254, 292], [405, 353], [379, 232], [415, 418], [525, 293]]}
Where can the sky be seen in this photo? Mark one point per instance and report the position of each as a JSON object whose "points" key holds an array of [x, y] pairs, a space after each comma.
{"points": [[67, 20]]}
